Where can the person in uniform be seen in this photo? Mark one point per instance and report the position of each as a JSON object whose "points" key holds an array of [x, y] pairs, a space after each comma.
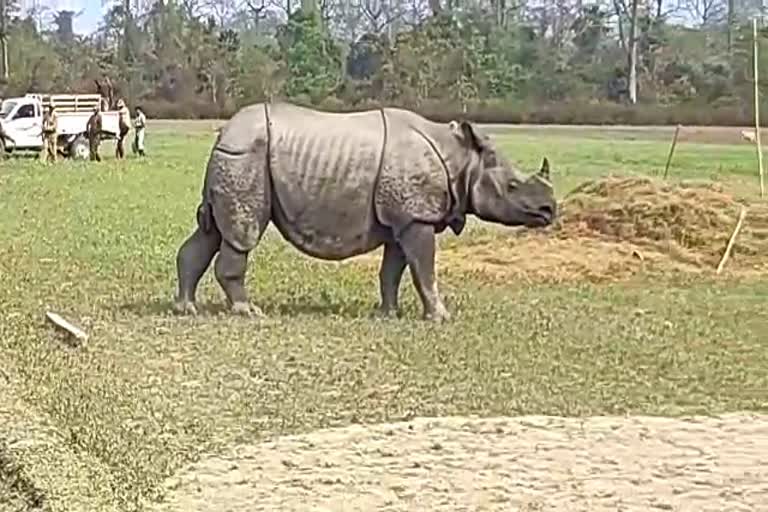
{"points": [[125, 126], [50, 129], [3, 137], [139, 124], [94, 134]]}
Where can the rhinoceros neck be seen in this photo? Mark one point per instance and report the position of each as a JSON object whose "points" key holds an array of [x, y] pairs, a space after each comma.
{"points": [[444, 157], [460, 172]]}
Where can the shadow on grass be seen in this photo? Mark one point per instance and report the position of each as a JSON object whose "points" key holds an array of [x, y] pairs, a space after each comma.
{"points": [[15, 486], [289, 308], [23, 156]]}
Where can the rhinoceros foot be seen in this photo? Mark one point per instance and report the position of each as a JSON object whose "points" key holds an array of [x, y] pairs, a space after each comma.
{"points": [[439, 315], [184, 307], [247, 309], [382, 311]]}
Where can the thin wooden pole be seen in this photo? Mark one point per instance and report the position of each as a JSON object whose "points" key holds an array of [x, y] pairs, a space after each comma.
{"points": [[757, 109], [671, 151], [732, 240]]}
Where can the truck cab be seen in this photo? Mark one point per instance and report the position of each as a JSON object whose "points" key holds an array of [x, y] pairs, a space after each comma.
{"points": [[21, 122]]}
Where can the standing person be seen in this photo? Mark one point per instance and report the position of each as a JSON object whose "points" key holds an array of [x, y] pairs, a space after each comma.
{"points": [[50, 129], [125, 126], [3, 137], [94, 134], [139, 125]]}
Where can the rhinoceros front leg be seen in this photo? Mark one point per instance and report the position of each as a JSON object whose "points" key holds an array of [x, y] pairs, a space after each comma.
{"points": [[418, 244], [192, 260], [230, 268], [390, 274]]}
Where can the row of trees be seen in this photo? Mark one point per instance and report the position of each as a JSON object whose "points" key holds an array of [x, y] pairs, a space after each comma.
{"points": [[547, 61]]}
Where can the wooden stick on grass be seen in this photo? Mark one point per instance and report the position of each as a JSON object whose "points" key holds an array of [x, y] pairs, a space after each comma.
{"points": [[732, 240], [757, 109], [671, 150], [72, 330]]}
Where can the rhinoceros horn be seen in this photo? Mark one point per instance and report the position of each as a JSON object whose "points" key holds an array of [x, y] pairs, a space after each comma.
{"points": [[544, 171]]}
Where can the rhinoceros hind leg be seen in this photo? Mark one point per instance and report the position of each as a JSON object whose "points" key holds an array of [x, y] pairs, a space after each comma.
{"points": [[418, 244], [230, 268], [192, 260], [390, 274]]}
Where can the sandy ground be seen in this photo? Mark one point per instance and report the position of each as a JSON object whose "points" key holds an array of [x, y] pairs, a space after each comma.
{"points": [[461, 464]]}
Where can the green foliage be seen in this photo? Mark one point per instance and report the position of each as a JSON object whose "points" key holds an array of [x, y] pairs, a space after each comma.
{"points": [[38, 67], [312, 57], [188, 65]]}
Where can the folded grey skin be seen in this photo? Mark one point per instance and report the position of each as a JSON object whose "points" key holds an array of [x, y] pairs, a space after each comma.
{"points": [[340, 185]]}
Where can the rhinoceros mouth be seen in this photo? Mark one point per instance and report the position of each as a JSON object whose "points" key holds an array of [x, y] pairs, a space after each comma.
{"points": [[540, 218]]}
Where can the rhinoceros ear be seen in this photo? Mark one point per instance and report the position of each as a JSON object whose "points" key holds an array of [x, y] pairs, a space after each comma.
{"points": [[544, 171], [466, 134]]}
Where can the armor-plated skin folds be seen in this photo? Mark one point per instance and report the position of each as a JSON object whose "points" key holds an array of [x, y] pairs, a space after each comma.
{"points": [[324, 169], [340, 185]]}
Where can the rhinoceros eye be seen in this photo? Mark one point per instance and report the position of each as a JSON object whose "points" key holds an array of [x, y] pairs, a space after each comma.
{"points": [[512, 185]]}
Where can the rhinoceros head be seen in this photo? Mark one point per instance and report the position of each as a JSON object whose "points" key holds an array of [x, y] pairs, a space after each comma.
{"points": [[498, 191]]}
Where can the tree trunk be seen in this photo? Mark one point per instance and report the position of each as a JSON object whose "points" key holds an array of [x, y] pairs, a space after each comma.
{"points": [[499, 12], [127, 30], [3, 41], [308, 6], [731, 19], [633, 54]]}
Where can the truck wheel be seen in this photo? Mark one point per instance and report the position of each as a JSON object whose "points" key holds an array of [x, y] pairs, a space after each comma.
{"points": [[79, 149]]}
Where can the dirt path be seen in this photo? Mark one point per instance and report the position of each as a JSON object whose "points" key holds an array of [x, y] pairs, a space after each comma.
{"points": [[461, 464], [699, 134]]}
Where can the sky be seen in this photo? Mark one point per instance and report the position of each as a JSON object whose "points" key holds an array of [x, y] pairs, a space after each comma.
{"points": [[92, 11], [86, 22]]}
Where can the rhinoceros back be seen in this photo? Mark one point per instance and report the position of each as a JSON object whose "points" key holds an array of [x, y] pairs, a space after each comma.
{"points": [[324, 168]]}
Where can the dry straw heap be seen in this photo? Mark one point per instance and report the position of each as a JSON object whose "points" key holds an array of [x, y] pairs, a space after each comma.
{"points": [[689, 221]]}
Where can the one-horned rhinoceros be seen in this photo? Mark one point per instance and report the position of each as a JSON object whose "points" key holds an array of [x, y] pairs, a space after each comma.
{"points": [[340, 185]]}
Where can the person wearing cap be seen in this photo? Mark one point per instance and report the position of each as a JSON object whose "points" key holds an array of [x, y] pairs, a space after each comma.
{"points": [[139, 124], [50, 129], [125, 126], [94, 134]]}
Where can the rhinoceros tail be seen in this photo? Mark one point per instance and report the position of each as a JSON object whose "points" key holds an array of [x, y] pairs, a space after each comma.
{"points": [[205, 218], [204, 213]]}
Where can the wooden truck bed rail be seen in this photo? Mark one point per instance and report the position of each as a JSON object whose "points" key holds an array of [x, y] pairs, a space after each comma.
{"points": [[66, 103]]}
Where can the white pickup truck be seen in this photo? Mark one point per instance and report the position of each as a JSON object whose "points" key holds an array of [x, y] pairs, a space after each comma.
{"points": [[21, 123]]}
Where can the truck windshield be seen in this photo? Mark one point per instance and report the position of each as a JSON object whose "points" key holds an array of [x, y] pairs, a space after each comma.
{"points": [[7, 108]]}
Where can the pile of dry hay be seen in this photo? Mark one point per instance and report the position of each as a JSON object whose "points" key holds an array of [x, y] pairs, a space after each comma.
{"points": [[613, 228], [689, 221]]}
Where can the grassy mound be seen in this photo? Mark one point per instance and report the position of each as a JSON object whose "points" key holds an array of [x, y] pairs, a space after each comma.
{"points": [[689, 220]]}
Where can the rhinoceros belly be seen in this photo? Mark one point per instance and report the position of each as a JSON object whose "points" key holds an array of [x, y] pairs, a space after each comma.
{"points": [[323, 168]]}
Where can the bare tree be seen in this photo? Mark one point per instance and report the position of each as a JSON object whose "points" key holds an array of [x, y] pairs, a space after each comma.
{"points": [[415, 12], [731, 22], [4, 40], [223, 11], [257, 10], [380, 14], [706, 12], [633, 54]]}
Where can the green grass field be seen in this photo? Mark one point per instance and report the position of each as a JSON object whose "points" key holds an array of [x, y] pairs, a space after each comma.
{"points": [[100, 427]]}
